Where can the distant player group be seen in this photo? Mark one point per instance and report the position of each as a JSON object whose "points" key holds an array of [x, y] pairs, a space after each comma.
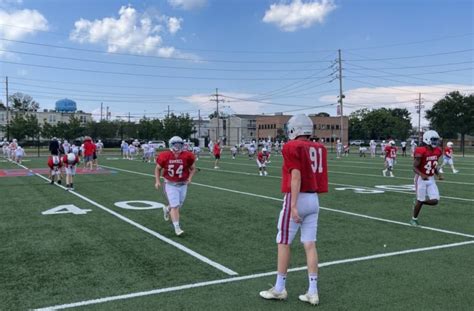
{"points": [[12, 150]]}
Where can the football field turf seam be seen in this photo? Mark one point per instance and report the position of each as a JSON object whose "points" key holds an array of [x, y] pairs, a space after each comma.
{"points": [[321, 207], [246, 277], [145, 229]]}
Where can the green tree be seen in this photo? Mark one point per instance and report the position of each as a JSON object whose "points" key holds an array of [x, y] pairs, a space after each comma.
{"points": [[452, 115], [32, 127], [379, 124], [103, 129], [18, 126], [23, 102], [177, 126], [48, 130]]}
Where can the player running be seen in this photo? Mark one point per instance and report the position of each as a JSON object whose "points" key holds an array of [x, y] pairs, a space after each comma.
{"points": [[338, 148], [233, 151], [262, 158], [178, 167], [448, 158], [304, 175], [425, 166], [390, 156], [216, 150]]}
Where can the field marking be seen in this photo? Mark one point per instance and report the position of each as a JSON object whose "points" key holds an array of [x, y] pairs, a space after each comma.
{"points": [[143, 228], [323, 208], [246, 277]]}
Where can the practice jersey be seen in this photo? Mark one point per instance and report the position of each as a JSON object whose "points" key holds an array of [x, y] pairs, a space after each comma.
{"points": [[390, 152], [51, 162], [176, 168], [310, 158], [67, 163], [262, 158], [429, 159], [216, 149], [448, 152]]}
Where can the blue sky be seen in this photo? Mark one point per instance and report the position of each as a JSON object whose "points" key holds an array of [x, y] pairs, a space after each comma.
{"points": [[265, 56]]}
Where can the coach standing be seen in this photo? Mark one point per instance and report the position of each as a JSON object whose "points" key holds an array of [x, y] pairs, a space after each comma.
{"points": [[89, 150], [54, 146]]}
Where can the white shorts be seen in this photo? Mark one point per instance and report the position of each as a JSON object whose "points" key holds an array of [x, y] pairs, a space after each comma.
{"points": [[308, 210], [447, 160], [175, 193], [426, 188], [261, 164], [389, 162], [70, 170], [55, 171]]}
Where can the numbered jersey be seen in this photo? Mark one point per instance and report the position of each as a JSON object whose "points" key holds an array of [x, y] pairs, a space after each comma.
{"points": [[448, 152], [429, 159], [262, 158], [175, 167], [310, 159], [390, 152]]}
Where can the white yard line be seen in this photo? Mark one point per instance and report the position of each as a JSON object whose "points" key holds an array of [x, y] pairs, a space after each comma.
{"points": [[246, 277], [143, 228], [323, 208]]}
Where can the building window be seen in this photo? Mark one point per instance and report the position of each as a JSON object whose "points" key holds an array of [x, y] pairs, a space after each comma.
{"points": [[2, 117], [52, 118], [323, 126], [337, 126]]}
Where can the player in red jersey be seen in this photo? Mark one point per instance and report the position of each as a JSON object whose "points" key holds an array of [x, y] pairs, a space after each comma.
{"points": [[70, 161], [304, 175], [425, 167], [262, 159], [178, 169], [390, 156], [55, 164], [448, 158], [216, 150]]}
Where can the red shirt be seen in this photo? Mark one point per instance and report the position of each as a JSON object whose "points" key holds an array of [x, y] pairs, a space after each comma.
{"points": [[448, 152], [89, 148], [51, 163], [262, 158], [176, 166], [216, 150], [310, 158], [429, 159], [391, 152], [67, 163]]}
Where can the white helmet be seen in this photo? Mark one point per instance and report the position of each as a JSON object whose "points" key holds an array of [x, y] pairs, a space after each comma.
{"points": [[299, 125], [264, 149], [176, 144], [383, 141], [338, 141], [55, 160], [392, 143], [371, 141], [431, 138], [71, 158], [449, 144]]}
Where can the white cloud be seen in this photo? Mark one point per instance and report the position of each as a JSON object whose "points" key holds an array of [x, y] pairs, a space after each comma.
{"points": [[20, 24], [298, 14], [174, 24], [187, 4], [131, 32], [397, 97], [202, 101]]}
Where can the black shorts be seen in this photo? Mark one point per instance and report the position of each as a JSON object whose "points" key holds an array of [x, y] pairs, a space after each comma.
{"points": [[94, 156], [217, 156]]}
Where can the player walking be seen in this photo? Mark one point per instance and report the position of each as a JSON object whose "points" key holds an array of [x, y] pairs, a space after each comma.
{"points": [[448, 158], [390, 156], [216, 150], [178, 169], [304, 175], [262, 158], [373, 146], [425, 166]]}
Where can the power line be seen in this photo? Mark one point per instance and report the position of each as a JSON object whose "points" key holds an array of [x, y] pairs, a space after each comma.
{"points": [[410, 57]]}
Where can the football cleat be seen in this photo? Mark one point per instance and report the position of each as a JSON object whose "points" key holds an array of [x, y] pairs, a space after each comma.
{"points": [[311, 299], [166, 213], [441, 171], [178, 231], [414, 222], [260, 174], [216, 167], [454, 172], [265, 173], [273, 294]]}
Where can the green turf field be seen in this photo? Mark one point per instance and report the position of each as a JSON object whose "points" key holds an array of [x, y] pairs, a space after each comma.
{"points": [[110, 258]]}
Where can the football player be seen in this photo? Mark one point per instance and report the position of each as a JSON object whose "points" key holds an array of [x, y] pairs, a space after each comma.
{"points": [[55, 173], [196, 151], [304, 175], [404, 148], [12, 148], [216, 150], [70, 162], [338, 148], [251, 151], [262, 158], [382, 148], [233, 151], [124, 147], [5, 148], [177, 167], [448, 158], [66, 147], [390, 156], [425, 166], [373, 146], [19, 154], [413, 147]]}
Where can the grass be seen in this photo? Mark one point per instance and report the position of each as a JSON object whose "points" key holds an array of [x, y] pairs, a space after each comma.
{"points": [[48, 260]]}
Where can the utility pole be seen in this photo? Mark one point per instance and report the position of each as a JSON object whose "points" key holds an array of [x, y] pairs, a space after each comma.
{"points": [[101, 110], [129, 117], [418, 110], [341, 97], [107, 114], [168, 111], [199, 123], [8, 108], [217, 100]]}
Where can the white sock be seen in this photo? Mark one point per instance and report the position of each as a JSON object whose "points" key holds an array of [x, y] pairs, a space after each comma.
{"points": [[280, 282], [313, 283], [176, 224]]}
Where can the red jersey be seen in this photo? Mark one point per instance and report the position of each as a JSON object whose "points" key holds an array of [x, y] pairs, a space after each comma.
{"points": [[448, 152], [176, 167], [391, 152], [216, 150], [429, 159], [67, 162], [89, 148], [310, 158], [51, 163], [262, 158]]}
